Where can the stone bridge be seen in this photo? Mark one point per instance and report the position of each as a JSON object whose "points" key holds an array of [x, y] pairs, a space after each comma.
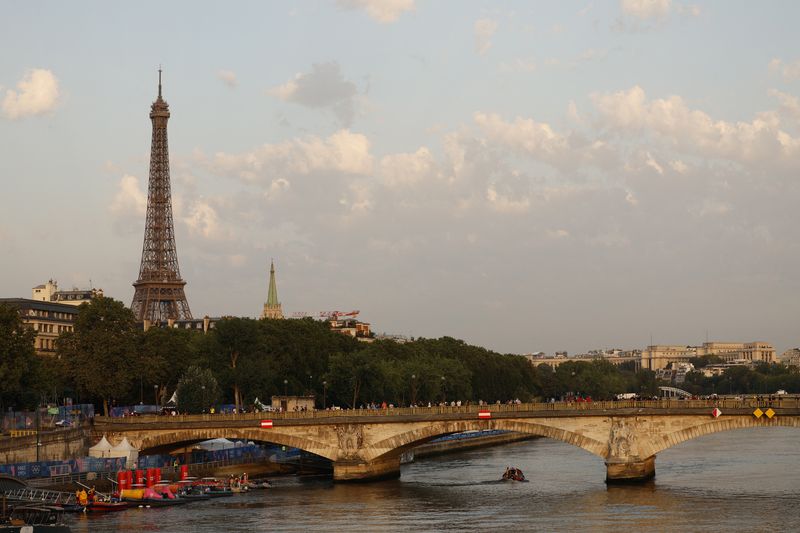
{"points": [[367, 444]]}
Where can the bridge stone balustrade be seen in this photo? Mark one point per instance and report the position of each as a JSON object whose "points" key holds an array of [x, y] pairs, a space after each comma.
{"points": [[367, 444]]}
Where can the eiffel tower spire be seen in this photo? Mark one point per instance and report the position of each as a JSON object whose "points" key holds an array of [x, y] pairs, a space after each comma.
{"points": [[159, 292], [272, 308]]}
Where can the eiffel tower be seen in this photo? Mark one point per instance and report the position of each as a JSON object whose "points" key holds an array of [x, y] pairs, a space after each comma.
{"points": [[159, 292]]}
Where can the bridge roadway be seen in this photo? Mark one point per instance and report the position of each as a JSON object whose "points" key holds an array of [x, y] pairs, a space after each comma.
{"points": [[366, 444]]}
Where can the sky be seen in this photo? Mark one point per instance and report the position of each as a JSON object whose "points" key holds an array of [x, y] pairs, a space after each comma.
{"points": [[526, 176]]}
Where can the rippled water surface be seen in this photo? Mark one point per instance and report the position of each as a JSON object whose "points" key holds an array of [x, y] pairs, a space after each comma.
{"points": [[745, 480]]}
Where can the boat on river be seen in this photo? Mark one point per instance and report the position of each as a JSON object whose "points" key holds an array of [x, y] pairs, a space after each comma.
{"points": [[35, 519], [514, 474], [106, 506]]}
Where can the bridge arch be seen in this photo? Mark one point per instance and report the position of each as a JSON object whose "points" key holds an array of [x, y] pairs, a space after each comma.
{"points": [[401, 442], [158, 439], [719, 425]]}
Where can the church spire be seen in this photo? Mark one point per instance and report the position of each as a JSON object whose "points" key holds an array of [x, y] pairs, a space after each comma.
{"points": [[272, 308]]}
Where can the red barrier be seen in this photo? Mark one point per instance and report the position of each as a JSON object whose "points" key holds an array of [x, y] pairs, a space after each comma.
{"points": [[158, 475], [129, 477], [184, 472], [140, 477], [151, 477]]}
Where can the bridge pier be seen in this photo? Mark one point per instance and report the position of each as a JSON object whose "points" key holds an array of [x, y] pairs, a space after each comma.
{"points": [[356, 470], [631, 471]]}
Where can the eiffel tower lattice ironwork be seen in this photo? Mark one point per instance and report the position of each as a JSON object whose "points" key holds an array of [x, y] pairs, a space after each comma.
{"points": [[159, 292]]}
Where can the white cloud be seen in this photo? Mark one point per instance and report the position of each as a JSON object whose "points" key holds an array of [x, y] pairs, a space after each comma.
{"points": [[228, 77], [540, 141], [652, 163], [790, 71], [503, 203], [203, 221], [790, 104], [276, 187], [323, 87], [37, 94], [344, 152], [383, 11], [679, 166], [646, 9], [130, 198], [713, 207], [641, 15], [357, 199], [560, 233], [409, 168], [694, 131], [484, 30]]}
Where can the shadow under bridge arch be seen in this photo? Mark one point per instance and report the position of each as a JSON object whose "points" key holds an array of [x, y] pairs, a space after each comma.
{"points": [[423, 432], [160, 440]]}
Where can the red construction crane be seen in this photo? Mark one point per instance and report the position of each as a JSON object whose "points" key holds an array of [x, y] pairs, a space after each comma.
{"points": [[332, 315]]}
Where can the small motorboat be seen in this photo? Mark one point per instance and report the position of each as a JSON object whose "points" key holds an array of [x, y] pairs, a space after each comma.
{"points": [[35, 519], [514, 474], [160, 502], [106, 506]]}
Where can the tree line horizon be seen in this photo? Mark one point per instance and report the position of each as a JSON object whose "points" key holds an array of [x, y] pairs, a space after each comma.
{"points": [[109, 360]]}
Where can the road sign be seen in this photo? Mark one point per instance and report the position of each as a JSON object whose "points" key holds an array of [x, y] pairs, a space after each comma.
{"points": [[716, 412], [266, 423], [758, 412], [484, 413], [770, 413]]}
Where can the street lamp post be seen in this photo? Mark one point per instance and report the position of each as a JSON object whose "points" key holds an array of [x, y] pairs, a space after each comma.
{"points": [[310, 392], [285, 383], [444, 395], [155, 393], [38, 432], [324, 394], [413, 390], [203, 388]]}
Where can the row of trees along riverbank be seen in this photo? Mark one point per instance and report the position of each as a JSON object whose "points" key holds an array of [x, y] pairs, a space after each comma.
{"points": [[107, 360]]}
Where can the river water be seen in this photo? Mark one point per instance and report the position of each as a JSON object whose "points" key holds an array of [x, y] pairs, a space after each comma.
{"points": [[744, 480]]}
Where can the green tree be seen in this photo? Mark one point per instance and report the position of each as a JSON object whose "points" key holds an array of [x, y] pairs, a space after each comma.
{"points": [[20, 367], [164, 354], [197, 390], [101, 352]]}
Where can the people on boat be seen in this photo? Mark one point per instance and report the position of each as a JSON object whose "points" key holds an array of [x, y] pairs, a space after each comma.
{"points": [[513, 474], [83, 498]]}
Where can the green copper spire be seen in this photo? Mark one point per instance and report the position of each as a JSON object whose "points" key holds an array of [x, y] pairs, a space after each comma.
{"points": [[272, 307], [272, 295]]}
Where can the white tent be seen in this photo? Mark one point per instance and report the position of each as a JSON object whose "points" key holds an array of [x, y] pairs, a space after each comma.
{"points": [[101, 449], [125, 449], [216, 444]]}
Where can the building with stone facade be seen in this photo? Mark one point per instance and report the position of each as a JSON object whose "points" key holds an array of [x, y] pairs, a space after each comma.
{"points": [[47, 319], [791, 357], [659, 356], [49, 292], [613, 356]]}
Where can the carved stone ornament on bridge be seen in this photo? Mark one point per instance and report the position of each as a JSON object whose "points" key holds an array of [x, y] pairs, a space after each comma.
{"points": [[622, 439], [351, 438]]}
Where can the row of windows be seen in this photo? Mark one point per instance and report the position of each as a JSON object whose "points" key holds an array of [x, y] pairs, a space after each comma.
{"points": [[45, 344], [51, 328], [51, 314]]}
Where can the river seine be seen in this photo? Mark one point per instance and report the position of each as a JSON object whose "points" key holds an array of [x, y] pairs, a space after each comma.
{"points": [[745, 480]]}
